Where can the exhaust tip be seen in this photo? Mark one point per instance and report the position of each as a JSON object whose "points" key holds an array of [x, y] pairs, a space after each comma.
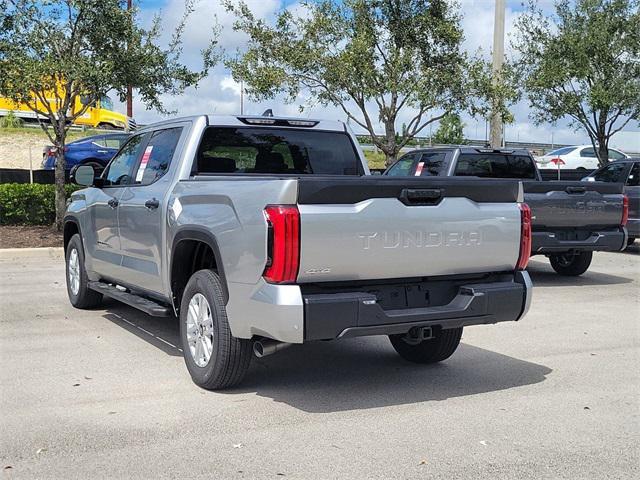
{"points": [[266, 346], [258, 349]]}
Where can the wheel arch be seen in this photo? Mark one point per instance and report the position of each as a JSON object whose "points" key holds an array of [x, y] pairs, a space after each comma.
{"points": [[71, 226], [189, 250], [84, 161]]}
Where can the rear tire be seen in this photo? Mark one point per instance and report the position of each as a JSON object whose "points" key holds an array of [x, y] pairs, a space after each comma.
{"points": [[630, 241], [80, 295], [428, 351], [214, 357], [571, 265]]}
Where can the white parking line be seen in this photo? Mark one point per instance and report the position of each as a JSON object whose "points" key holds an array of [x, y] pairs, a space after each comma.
{"points": [[146, 331]]}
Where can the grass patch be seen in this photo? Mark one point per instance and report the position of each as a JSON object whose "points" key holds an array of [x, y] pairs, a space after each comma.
{"points": [[375, 159]]}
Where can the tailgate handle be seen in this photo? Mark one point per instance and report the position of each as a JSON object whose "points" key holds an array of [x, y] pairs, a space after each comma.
{"points": [[420, 196], [576, 189]]}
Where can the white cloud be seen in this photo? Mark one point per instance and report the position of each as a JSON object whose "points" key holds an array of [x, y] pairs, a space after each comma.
{"points": [[228, 83]]}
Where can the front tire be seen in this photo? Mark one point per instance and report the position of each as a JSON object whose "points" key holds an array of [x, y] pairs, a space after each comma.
{"points": [[214, 357], [428, 351], [80, 295], [571, 264]]}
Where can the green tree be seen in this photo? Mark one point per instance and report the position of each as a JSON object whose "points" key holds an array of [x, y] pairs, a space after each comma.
{"points": [[53, 51], [495, 92], [384, 57], [584, 63], [450, 131]]}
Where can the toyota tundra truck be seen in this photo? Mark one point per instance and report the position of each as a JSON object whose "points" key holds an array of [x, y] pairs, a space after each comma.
{"points": [[570, 220], [262, 232]]}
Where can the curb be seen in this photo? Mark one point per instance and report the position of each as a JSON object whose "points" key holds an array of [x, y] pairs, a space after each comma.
{"points": [[54, 253]]}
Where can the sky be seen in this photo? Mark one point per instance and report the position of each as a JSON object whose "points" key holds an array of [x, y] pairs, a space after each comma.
{"points": [[219, 94]]}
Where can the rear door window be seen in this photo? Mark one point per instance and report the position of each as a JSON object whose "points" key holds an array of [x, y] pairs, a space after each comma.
{"points": [[157, 155], [253, 150], [403, 167], [588, 152], [115, 142], [99, 141], [433, 164], [495, 165], [614, 173]]}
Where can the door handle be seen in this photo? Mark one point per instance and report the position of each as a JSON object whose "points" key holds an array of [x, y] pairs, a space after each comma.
{"points": [[113, 203], [420, 196], [152, 204]]}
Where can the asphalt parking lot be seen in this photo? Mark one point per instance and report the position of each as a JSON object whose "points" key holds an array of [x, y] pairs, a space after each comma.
{"points": [[105, 393]]}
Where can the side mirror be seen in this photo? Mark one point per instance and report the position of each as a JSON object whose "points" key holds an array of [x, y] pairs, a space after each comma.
{"points": [[84, 175]]}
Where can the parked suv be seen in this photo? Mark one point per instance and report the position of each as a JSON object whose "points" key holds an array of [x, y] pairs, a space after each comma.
{"points": [[261, 232]]}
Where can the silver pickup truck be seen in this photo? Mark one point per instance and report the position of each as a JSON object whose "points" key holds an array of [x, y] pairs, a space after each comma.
{"points": [[260, 232]]}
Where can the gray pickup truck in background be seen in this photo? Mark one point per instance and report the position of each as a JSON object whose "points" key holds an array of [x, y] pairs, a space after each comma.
{"points": [[627, 173], [260, 232], [570, 219]]}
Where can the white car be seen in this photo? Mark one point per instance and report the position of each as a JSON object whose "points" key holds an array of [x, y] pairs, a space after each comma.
{"points": [[576, 157]]}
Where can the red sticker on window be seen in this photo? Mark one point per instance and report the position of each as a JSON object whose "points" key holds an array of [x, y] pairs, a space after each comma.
{"points": [[143, 163], [419, 169]]}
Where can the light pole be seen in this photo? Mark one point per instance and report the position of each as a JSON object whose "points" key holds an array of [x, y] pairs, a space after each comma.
{"points": [[129, 90], [498, 57]]}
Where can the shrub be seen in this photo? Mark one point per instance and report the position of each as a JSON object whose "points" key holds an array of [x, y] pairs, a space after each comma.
{"points": [[29, 203], [11, 121]]}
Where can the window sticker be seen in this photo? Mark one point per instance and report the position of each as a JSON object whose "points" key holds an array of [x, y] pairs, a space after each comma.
{"points": [[143, 163], [419, 169]]}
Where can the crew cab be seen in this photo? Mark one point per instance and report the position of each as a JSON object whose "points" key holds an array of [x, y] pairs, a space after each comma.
{"points": [[570, 220], [261, 232]]}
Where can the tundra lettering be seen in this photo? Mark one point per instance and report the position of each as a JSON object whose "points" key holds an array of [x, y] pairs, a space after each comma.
{"points": [[407, 239]]}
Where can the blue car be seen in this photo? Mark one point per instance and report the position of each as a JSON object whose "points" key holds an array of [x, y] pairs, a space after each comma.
{"points": [[96, 151]]}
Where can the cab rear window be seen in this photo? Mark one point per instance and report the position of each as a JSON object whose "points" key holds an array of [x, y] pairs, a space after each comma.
{"points": [[276, 151], [495, 165]]}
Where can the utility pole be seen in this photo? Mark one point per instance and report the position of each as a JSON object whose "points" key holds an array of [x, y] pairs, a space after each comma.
{"points": [[241, 97], [498, 57], [129, 90]]}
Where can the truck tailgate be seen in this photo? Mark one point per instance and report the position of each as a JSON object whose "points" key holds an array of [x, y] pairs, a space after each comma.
{"points": [[585, 205], [382, 227]]}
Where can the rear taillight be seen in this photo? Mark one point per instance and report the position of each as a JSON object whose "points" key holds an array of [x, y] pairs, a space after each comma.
{"points": [[283, 243], [525, 237], [52, 151], [625, 210], [557, 161]]}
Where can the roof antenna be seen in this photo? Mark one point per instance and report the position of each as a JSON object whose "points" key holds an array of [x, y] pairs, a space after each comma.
{"points": [[267, 113]]}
